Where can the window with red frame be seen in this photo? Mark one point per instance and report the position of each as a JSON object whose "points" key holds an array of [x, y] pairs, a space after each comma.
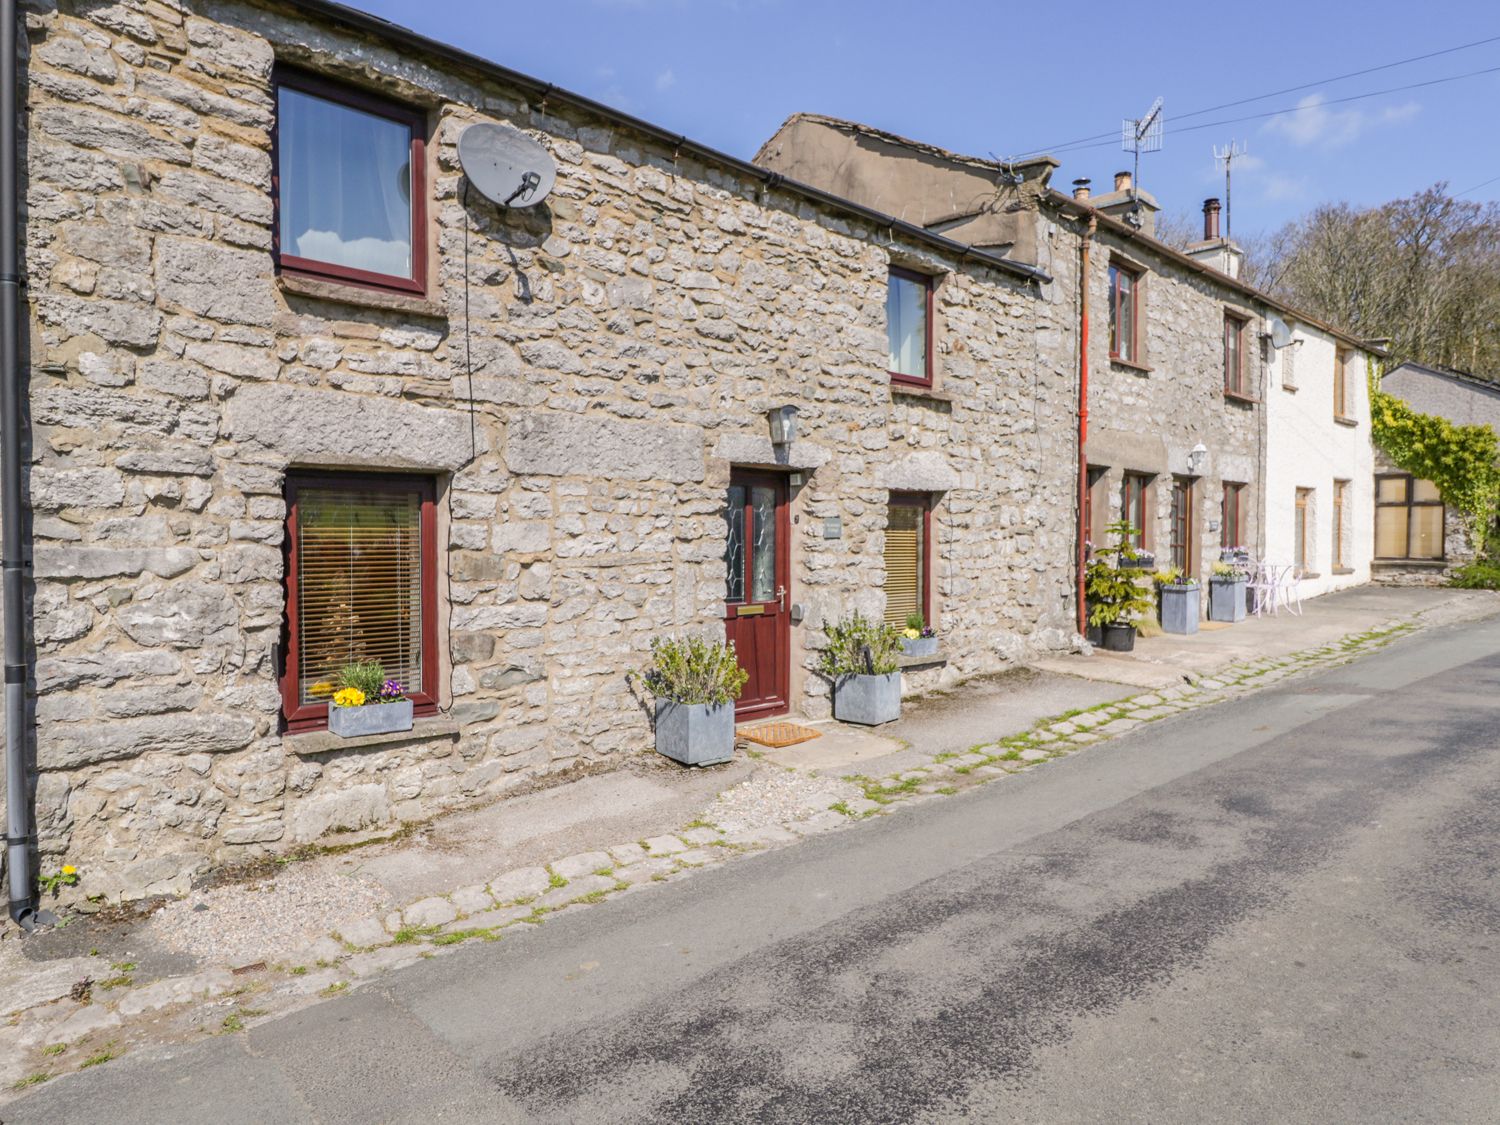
{"points": [[908, 326], [1135, 489], [908, 558], [1234, 355], [361, 585], [1124, 312], [1232, 516], [349, 185]]}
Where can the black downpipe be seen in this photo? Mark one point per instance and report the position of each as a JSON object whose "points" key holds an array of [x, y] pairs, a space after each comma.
{"points": [[12, 529]]}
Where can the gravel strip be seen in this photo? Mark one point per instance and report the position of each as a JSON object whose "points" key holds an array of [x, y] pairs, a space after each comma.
{"points": [[266, 919], [774, 796]]}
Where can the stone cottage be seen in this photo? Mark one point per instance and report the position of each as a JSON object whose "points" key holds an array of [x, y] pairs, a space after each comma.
{"points": [[1182, 439], [299, 395], [1419, 538]]}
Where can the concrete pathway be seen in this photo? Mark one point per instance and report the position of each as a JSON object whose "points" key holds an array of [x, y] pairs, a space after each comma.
{"points": [[1278, 908]]}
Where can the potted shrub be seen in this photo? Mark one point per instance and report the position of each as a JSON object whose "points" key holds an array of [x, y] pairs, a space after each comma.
{"points": [[861, 660], [1226, 593], [694, 682], [1112, 586], [1179, 600], [365, 702], [920, 638]]}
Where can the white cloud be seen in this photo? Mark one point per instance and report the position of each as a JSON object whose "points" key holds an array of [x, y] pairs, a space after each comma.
{"points": [[665, 80], [1284, 189], [1314, 122]]}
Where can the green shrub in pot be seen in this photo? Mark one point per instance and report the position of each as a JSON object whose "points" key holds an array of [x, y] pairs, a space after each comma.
{"points": [[694, 682], [862, 658]]}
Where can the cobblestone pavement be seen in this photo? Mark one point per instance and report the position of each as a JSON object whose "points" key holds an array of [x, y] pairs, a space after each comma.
{"points": [[54, 1026]]}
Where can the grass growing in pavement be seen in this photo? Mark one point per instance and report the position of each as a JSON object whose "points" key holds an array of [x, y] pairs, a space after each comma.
{"points": [[31, 1080], [55, 1049], [554, 880], [408, 934], [335, 988], [99, 1059]]}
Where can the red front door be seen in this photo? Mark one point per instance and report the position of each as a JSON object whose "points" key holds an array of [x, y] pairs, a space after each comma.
{"points": [[756, 594]]}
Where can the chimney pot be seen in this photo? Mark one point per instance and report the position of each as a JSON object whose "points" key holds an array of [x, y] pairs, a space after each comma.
{"points": [[1122, 181], [1081, 188], [1210, 220]]}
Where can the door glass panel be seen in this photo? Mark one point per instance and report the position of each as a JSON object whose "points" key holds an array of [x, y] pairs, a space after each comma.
{"points": [[1425, 490], [1390, 533], [734, 546], [1427, 532], [762, 544]]}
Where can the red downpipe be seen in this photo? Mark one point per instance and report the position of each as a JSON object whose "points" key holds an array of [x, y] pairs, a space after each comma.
{"points": [[1085, 284]]}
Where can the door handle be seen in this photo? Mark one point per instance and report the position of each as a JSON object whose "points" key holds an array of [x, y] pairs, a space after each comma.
{"points": [[781, 598]]}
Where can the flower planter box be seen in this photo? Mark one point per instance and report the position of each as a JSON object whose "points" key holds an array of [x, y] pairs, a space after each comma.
{"points": [[1118, 638], [372, 718], [867, 700], [695, 734], [1180, 607], [1226, 600], [922, 646]]}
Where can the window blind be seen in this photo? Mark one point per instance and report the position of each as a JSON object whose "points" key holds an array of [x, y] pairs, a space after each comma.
{"points": [[903, 563], [359, 585]]}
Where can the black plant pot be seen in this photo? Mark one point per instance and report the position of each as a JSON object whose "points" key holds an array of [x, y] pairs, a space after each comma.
{"points": [[1119, 638], [1094, 634]]}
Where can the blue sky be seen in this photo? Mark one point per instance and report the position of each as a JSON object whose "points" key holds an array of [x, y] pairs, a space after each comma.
{"points": [[1005, 78]]}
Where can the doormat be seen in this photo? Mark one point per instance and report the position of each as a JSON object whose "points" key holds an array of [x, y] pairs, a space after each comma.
{"points": [[779, 734], [1210, 626]]}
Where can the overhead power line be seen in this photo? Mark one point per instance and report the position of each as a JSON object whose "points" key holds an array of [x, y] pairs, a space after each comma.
{"points": [[1476, 187], [1296, 108], [1272, 94]]}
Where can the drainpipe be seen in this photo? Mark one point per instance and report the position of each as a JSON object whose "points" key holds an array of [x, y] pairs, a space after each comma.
{"points": [[17, 804], [1083, 415]]}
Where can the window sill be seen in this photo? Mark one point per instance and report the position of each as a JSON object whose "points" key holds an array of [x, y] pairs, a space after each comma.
{"points": [[1342, 421], [326, 742], [1288, 388], [1305, 575], [1340, 571], [916, 384], [1415, 564], [906, 663], [1247, 400], [918, 390], [336, 292], [1130, 365]]}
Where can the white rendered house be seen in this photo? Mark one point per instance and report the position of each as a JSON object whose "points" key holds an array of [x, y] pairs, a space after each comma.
{"points": [[1319, 462]]}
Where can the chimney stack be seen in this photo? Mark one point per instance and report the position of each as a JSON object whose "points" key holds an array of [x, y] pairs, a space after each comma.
{"points": [[1122, 181], [1081, 188], [1210, 220]]}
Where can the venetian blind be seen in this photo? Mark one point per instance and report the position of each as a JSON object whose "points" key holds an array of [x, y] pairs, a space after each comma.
{"points": [[903, 563], [359, 585]]}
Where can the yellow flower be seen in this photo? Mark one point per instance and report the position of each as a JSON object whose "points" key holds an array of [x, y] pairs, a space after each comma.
{"points": [[322, 687], [912, 634], [348, 697], [69, 869]]}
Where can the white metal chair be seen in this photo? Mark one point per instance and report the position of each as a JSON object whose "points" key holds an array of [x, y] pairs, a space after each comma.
{"points": [[1289, 590], [1262, 586]]}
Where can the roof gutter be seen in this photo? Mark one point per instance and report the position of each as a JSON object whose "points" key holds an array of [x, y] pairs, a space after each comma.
{"points": [[384, 29], [18, 837]]}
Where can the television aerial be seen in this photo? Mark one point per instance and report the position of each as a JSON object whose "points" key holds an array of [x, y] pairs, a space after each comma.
{"points": [[1138, 135], [505, 165]]}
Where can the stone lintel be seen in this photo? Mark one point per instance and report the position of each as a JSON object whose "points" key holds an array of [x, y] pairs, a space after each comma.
{"points": [[757, 450], [917, 472]]}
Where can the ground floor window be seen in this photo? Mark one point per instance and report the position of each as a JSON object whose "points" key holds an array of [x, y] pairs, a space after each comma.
{"points": [[1095, 505], [1135, 490], [361, 585], [908, 558], [1301, 532], [1408, 518], [1232, 516], [1182, 524], [1340, 529]]}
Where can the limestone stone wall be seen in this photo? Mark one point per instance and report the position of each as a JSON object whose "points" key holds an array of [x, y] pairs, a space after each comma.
{"points": [[626, 340]]}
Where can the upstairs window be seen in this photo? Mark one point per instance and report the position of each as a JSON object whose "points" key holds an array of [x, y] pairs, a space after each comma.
{"points": [[361, 585], [1234, 355], [1341, 384], [349, 185], [1124, 309], [908, 326]]}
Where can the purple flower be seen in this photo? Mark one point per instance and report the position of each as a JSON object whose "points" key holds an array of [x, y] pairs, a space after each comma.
{"points": [[391, 689]]}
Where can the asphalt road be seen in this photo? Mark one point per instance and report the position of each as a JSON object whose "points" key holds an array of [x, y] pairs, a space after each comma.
{"points": [[1281, 909]]}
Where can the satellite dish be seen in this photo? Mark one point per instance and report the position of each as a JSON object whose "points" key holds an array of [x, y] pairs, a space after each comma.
{"points": [[1281, 333], [505, 165]]}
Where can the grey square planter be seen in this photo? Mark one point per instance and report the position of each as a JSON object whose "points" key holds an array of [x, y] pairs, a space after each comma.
{"points": [[695, 734], [922, 646], [1226, 600], [1180, 606], [372, 718], [867, 700]]}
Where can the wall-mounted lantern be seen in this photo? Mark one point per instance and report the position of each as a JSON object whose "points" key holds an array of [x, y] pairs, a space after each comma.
{"points": [[1196, 458], [783, 424]]}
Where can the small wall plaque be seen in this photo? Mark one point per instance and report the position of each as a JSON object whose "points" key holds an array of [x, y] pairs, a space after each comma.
{"points": [[833, 527]]}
